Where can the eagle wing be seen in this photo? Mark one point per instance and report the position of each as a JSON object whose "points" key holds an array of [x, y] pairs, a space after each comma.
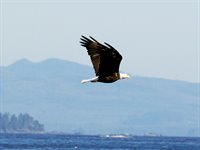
{"points": [[105, 59]]}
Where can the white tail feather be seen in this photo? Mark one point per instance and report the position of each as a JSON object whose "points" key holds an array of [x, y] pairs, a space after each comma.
{"points": [[89, 80], [84, 81]]}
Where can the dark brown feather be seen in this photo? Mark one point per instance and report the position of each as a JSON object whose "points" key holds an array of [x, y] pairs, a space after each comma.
{"points": [[105, 59]]}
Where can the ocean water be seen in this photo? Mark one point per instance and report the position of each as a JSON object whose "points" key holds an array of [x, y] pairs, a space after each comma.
{"points": [[84, 142]]}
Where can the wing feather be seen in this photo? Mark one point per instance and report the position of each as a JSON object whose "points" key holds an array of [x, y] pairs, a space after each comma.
{"points": [[94, 51], [105, 58]]}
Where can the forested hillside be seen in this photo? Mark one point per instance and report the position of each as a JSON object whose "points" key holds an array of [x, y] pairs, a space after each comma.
{"points": [[22, 123]]}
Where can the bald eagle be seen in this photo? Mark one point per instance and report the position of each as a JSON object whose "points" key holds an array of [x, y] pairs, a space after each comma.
{"points": [[105, 59]]}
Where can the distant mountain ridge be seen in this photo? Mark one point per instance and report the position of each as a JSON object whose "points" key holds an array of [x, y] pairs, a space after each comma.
{"points": [[51, 92]]}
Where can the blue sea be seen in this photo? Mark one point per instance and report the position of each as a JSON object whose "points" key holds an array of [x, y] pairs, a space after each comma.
{"points": [[84, 142]]}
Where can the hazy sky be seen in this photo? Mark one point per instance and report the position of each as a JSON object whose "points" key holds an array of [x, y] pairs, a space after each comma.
{"points": [[158, 38]]}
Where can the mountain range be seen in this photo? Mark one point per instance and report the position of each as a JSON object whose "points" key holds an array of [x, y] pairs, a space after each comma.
{"points": [[51, 92]]}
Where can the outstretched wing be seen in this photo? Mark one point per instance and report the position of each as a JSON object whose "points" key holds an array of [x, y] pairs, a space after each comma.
{"points": [[94, 49], [105, 59]]}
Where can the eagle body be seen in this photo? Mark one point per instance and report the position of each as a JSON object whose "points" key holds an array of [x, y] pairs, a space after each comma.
{"points": [[109, 78], [105, 59]]}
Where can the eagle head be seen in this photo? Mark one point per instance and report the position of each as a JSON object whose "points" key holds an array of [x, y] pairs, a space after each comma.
{"points": [[124, 76]]}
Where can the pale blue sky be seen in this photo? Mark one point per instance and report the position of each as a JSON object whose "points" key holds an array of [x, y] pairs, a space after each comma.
{"points": [[157, 38]]}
